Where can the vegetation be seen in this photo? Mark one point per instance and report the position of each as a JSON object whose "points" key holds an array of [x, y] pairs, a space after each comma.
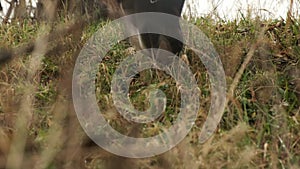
{"points": [[260, 127]]}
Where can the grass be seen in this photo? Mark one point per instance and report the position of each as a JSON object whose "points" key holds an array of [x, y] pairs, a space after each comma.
{"points": [[259, 129]]}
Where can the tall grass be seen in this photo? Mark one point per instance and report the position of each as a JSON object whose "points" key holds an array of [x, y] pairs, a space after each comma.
{"points": [[260, 127]]}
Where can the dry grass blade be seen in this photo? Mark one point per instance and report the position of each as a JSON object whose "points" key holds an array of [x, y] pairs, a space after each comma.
{"points": [[16, 154], [244, 65], [15, 157], [212, 122]]}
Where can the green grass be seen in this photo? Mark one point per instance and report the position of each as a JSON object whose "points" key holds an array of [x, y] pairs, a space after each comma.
{"points": [[260, 127]]}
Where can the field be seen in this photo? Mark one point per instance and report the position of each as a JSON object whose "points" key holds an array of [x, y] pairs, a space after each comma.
{"points": [[260, 127]]}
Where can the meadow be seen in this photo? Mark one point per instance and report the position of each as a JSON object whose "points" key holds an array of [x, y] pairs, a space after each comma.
{"points": [[260, 127]]}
